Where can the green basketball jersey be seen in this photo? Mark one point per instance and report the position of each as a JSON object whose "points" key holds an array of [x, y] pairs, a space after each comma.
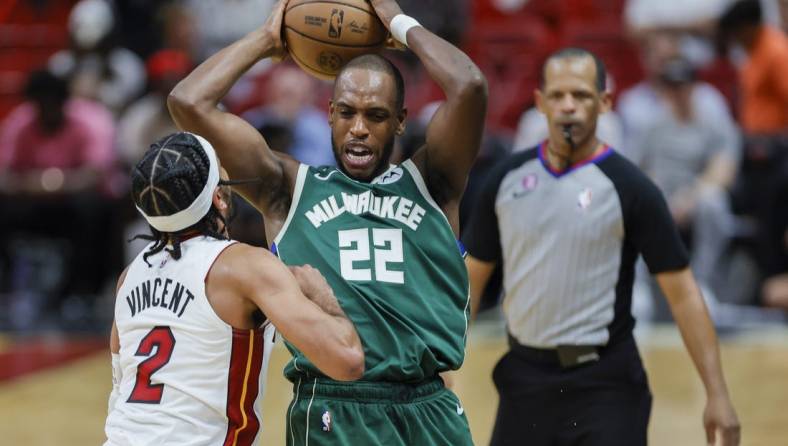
{"points": [[389, 254]]}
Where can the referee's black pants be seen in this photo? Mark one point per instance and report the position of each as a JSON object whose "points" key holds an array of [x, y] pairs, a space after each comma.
{"points": [[604, 403]]}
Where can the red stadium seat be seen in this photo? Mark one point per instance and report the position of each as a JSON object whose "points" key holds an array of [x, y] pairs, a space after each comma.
{"points": [[485, 11], [29, 35], [606, 39], [591, 10], [8, 103], [722, 74], [11, 83], [511, 89], [510, 52], [511, 40], [28, 12], [16, 35]]}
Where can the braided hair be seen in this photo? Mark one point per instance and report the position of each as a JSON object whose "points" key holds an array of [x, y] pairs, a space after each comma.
{"points": [[170, 176]]}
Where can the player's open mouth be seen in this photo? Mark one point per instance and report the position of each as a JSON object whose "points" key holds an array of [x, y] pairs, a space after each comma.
{"points": [[358, 156]]}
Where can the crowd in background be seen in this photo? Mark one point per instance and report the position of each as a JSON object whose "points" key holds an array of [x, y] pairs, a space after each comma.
{"points": [[701, 105]]}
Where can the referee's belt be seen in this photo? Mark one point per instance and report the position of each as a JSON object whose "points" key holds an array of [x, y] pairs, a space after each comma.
{"points": [[567, 356]]}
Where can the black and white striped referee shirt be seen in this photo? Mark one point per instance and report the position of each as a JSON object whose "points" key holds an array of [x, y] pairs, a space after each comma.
{"points": [[568, 242]]}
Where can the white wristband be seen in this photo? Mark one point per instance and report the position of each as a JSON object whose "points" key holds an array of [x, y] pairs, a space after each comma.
{"points": [[400, 25]]}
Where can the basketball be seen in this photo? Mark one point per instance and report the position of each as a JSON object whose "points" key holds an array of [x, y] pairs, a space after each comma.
{"points": [[322, 35]]}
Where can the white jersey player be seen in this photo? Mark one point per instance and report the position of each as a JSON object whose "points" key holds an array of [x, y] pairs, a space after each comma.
{"points": [[194, 313]]}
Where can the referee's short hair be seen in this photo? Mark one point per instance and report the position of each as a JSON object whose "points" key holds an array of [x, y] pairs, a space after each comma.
{"points": [[572, 53]]}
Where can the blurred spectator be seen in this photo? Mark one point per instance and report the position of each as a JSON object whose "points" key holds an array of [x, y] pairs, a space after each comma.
{"points": [[694, 162], [686, 16], [179, 29], [288, 100], [645, 15], [647, 102], [763, 86], [55, 154], [775, 289], [446, 18], [692, 24], [148, 119], [221, 22], [53, 131], [137, 25], [98, 69], [218, 23], [782, 10], [763, 79], [146, 26]]}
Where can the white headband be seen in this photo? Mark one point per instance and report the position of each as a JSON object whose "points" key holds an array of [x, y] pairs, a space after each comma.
{"points": [[200, 206]]}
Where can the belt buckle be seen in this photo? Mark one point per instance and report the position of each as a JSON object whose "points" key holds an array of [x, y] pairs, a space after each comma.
{"points": [[576, 355]]}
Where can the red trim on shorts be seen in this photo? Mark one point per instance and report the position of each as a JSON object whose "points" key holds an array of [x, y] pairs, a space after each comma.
{"points": [[247, 436], [243, 387]]}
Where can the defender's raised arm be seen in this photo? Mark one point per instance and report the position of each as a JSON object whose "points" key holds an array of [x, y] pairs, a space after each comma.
{"points": [[302, 307]]}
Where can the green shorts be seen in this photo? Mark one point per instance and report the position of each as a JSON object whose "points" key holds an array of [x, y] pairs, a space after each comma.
{"points": [[375, 413]]}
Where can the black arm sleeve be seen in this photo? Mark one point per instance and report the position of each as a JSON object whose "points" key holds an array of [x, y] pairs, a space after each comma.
{"points": [[481, 236], [648, 225]]}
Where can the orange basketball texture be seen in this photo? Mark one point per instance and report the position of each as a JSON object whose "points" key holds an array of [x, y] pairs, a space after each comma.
{"points": [[323, 35]]}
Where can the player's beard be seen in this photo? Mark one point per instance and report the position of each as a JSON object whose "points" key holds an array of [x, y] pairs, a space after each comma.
{"points": [[383, 162]]}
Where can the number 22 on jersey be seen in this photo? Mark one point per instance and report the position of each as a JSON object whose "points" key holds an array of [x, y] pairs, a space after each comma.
{"points": [[386, 251], [144, 392]]}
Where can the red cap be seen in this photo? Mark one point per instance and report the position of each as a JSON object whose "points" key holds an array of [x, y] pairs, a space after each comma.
{"points": [[168, 63]]}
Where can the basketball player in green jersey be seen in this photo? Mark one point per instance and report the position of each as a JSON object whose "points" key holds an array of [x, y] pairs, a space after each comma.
{"points": [[383, 236]]}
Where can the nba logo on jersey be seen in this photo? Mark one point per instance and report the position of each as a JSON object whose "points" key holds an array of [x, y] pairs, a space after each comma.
{"points": [[527, 184], [390, 177], [584, 199], [326, 421], [530, 182]]}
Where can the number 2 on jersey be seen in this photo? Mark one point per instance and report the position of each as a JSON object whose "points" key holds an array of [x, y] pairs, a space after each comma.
{"points": [[144, 392], [387, 249]]}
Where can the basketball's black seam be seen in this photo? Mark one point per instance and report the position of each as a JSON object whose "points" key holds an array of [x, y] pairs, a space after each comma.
{"points": [[312, 68], [333, 3], [332, 43]]}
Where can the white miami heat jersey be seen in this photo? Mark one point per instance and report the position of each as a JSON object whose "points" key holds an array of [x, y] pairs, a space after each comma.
{"points": [[187, 376]]}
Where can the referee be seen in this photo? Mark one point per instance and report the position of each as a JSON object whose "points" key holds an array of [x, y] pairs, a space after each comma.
{"points": [[568, 219]]}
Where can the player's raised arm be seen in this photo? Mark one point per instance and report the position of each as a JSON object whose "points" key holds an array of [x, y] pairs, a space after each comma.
{"points": [[193, 104], [455, 132]]}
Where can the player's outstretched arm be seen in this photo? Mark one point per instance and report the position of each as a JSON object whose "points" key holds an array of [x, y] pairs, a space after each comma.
{"points": [[114, 338], [479, 273], [455, 132], [194, 102], [114, 349], [326, 337]]}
